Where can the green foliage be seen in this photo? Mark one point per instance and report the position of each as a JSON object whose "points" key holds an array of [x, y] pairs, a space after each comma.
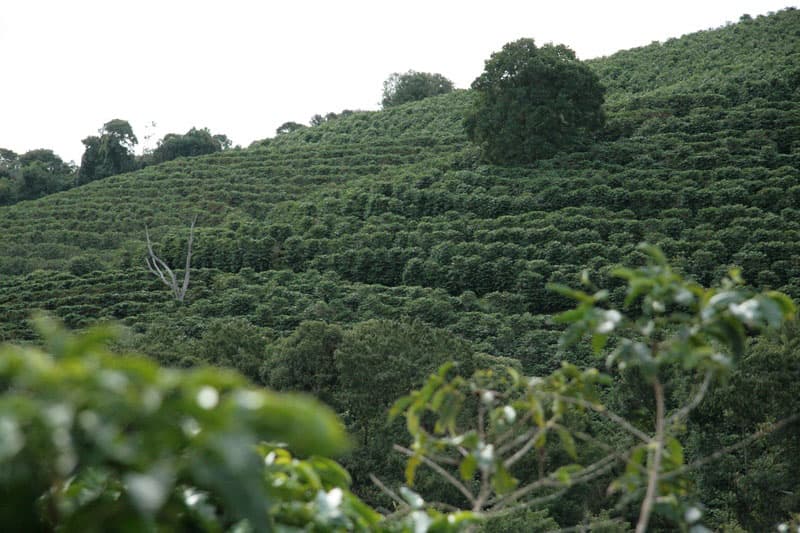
{"points": [[476, 432], [32, 175], [91, 440], [110, 153], [412, 86], [392, 216], [193, 143], [288, 127], [379, 360], [533, 101], [304, 361]]}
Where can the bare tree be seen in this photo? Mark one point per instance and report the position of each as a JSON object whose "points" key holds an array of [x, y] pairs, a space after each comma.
{"points": [[163, 272]]}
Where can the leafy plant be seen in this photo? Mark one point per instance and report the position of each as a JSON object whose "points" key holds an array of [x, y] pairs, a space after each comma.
{"points": [[90, 440], [474, 432]]}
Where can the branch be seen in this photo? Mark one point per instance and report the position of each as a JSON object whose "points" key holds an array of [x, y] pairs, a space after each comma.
{"points": [[441, 471], [694, 402], [155, 264], [519, 439], [592, 471], [601, 409], [526, 504], [188, 261], [655, 467], [733, 447], [392, 494], [508, 463]]}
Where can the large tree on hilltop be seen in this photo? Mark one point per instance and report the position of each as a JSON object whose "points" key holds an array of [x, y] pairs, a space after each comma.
{"points": [[109, 153], [533, 101]]}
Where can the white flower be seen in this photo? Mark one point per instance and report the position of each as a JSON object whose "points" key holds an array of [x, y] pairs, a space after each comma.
{"points": [[745, 311], [610, 320], [693, 514], [207, 397]]}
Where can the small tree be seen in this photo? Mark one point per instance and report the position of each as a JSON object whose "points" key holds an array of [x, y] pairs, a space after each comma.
{"points": [[532, 101], [412, 86], [476, 433]]}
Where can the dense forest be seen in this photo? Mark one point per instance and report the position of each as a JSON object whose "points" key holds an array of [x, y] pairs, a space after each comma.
{"points": [[352, 258]]}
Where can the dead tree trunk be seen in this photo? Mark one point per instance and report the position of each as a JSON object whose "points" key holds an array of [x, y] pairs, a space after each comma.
{"points": [[163, 272]]}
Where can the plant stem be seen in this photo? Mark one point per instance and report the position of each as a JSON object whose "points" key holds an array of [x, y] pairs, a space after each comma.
{"points": [[655, 467]]}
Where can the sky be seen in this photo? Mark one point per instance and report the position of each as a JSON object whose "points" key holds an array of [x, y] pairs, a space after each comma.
{"points": [[244, 67]]}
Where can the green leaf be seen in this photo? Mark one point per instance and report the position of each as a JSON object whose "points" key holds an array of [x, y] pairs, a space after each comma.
{"points": [[502, 481], [330, 472], [599, 342], [567, 441], [564, 473], [654, 253], [675, 451], [411, 468], [771, 310], [399, 406], [571, 316], [784, 302], [730, 331], [467, 467], [636, 461], [538, 412], [569, 292]]}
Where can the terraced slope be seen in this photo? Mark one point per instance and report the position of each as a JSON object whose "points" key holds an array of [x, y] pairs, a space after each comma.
{"points": [[391, 214]]}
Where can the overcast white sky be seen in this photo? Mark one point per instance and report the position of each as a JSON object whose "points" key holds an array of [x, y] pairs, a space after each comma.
{"points": [[243, 67]]}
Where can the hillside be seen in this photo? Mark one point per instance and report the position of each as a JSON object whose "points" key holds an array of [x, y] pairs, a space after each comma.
{"points": [[391, 215], [397, 199]]}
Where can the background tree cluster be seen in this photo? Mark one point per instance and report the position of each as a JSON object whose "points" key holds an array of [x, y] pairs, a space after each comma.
{"points": [[33, 174], [412, 86], [192, 143]]}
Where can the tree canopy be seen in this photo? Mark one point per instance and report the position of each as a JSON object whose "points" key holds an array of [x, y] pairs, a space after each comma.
{"points": [[412, 86], [194, 142], [532, 101], [109, 153], [288, 127], [32, 174]]}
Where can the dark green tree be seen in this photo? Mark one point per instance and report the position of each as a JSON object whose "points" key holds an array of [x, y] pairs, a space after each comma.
{"points": [[33, 174], [288, 127], [533, 101], [9, 161], [194, 142], [304, 361], [412, 86], [110, 153]]}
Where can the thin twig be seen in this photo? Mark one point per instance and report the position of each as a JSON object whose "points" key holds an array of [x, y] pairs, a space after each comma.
{"points": [[526, 504], [590, 472], [602, 410], [694, 402], [441, 471], [519, 439], [508, 463], [733, 447], [389, 492], [508, 433]]}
